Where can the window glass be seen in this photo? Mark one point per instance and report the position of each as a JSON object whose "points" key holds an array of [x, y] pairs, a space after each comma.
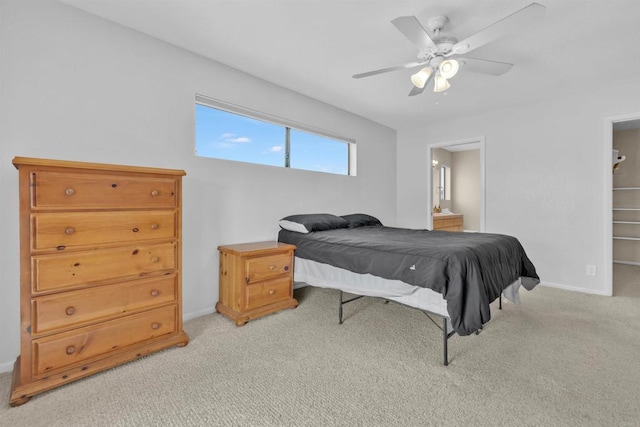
{"points": [[231, 136], [317, 153], [224, 135]]}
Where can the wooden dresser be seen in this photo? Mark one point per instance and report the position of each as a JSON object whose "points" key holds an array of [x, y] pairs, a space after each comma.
{"points": [[448, 222], [100, 269], [255, 279]]}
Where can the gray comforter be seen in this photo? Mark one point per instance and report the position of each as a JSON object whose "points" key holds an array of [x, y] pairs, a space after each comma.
{"points": [[470, 270]]}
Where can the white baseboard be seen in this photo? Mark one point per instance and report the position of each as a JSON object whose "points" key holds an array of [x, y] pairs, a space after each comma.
{"points": [[199, 313], [575, 289]]}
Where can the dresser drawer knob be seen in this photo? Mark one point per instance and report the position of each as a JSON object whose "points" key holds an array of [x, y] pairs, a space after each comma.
{"points": [[154, 193], [69, 231], [271, 292], [71, 349], [70, 310], [69, 191], [155, 293], [155, 259], [272, 267], [154, 226], [155, 325]]}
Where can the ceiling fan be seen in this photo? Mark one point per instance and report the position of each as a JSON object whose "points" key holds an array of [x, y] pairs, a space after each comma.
{"points": [[441, 56]]}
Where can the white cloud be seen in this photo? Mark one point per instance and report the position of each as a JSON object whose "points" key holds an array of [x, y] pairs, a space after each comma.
{"points": [[239, 140], [231, 138], [276, 149]]}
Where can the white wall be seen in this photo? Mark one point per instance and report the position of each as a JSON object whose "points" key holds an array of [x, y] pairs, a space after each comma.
{"points": [[466, 187], [545, 178], [77, 87]]}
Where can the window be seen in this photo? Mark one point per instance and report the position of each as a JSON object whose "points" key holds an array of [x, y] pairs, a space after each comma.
{"points": [[244, 136]]}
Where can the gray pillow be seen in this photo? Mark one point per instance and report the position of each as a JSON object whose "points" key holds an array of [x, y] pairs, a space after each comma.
{"points": [[361, 220], [307, 223]]}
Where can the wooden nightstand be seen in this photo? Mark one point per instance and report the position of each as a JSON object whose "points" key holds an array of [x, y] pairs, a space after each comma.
{"points": [[256, 279]]}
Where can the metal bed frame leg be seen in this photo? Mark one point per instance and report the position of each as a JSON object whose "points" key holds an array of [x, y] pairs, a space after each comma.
{"points": [[340, 319], [445, 340]]}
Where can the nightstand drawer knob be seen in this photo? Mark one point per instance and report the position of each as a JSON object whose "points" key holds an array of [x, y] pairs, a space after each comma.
{"points": [[272, 267], [155, 293], [69, 191], [154, 226], [271, 292], [69, 231], [154, 193], [155, 259], [155, 325], [70, 310], [71, 349]]}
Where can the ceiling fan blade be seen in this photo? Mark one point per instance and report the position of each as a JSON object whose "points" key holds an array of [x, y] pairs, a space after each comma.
{"points": [[417, 91], [484, 66], [415, 32], [505, 26], [388, 69]]}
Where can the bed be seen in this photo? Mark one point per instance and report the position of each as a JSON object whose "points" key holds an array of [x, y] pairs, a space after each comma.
{"points": [[452, 275]]}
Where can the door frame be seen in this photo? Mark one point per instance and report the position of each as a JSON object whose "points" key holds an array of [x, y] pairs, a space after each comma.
{"points": [[477, 142], [608, 197]]}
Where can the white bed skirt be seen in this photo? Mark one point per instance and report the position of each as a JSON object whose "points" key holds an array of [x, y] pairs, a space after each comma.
{"points": [[327, 276]]}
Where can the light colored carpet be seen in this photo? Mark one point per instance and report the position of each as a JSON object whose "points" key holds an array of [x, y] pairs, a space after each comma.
{"points": [[559, 359]]}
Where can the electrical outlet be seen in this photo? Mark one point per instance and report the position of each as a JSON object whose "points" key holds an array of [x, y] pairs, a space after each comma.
{"points": [[592, 270]]}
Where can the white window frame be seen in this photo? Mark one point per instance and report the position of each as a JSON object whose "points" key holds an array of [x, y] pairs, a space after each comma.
{"points": [[287, 124]]}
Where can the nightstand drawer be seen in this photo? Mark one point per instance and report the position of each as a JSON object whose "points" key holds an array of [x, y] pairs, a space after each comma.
{"points": [[265, 293], [73, 269], [68, 230], [266, 267], [66, 309], [80, 190], [59, 351]]}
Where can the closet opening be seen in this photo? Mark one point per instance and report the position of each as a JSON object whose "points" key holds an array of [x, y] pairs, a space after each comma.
{"points": [[625, 207]]}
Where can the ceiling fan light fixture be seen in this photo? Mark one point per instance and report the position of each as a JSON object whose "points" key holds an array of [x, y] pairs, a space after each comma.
{"points": [[420, 78], [449, 68], [440, 84]]}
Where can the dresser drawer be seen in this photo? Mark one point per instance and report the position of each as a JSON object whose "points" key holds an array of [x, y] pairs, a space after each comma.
{"points": [[75, 229], [84, 190], [73, 269], [265, 293], [62, 350], [74, 308], [266, 267]]}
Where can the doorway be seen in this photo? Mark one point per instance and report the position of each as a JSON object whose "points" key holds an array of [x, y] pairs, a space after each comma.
{"points": [[457, 184], [623, 206]]}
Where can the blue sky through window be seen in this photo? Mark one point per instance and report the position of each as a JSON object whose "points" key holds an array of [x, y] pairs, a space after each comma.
{"points": [[230, 136]]}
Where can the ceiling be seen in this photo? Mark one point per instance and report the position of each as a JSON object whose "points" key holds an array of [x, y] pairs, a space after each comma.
{"points": [[314, 47]]}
